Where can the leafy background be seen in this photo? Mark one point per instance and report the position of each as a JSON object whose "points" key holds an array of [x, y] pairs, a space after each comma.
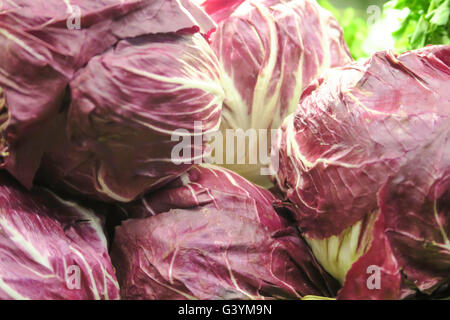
{"points": [[403, 24]]}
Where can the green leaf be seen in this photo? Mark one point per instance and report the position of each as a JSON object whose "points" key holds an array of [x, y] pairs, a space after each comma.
{"points": [[428, 22], [419, 37], [441, 15]]}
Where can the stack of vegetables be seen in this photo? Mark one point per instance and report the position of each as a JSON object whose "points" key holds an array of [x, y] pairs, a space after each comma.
{"points": [[96, 95]]}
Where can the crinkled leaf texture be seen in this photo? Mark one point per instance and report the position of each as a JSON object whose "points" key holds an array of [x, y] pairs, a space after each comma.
{"points": [[51, 248], [211, 234], [270, 50], [365, 162], [126, 107], [41, 49]]}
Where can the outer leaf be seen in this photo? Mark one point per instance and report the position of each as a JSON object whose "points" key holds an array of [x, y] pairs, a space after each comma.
{"points": [[373, 138], [213, 235], [51, 248], [126, 105], [39, 55]]}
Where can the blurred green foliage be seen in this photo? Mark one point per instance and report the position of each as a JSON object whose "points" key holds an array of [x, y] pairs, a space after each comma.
{"points": [[355, 27], [425, 22]]}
